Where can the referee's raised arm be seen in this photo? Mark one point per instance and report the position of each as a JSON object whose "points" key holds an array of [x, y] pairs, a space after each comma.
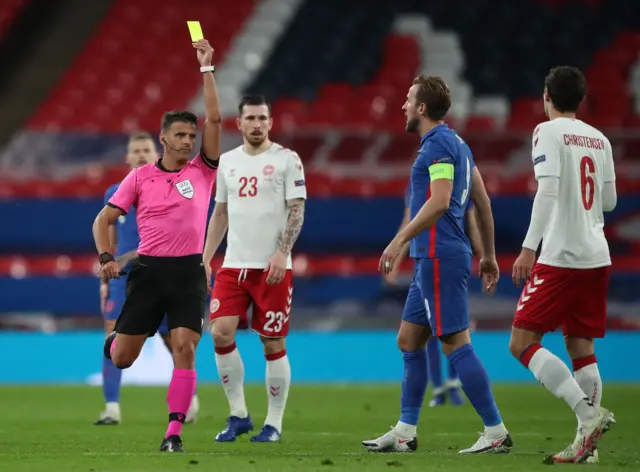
{"points": [[213, 118]]}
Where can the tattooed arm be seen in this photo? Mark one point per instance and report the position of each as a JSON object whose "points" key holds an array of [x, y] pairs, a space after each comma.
{"points": [[294, 225], [277, 267]]}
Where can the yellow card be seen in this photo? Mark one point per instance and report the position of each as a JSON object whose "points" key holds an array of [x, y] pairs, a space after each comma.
{"points": [[196, 31]]}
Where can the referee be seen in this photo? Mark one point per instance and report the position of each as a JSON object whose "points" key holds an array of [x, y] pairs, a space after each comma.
{"points": [[171, 198]]}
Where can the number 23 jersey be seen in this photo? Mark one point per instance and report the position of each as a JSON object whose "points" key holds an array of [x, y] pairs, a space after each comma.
{"points": [[581, 157], [256, 190]]}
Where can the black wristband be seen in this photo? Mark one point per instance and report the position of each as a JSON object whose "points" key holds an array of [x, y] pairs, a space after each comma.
{"points": [[106, 257]]}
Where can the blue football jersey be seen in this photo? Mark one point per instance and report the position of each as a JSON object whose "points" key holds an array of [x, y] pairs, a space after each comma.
{"points": [[447, 237], [126, 227]]}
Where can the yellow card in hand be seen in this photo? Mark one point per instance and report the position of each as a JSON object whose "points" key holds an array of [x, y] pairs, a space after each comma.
{"points": [[196, 31]]}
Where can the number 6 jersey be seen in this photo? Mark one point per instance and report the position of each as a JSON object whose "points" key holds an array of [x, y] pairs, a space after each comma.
{"points": [[580, 156], [256, 190]]}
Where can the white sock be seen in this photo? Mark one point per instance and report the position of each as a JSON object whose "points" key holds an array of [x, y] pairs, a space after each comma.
{"points": [[112, 409], [590, 382], [496, 432], [231, 372], [406, 431], [278, 382], [556, 377]]}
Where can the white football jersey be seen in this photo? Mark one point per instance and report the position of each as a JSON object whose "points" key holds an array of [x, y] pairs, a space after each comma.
{"points": [[580, 156], [256, 190]]}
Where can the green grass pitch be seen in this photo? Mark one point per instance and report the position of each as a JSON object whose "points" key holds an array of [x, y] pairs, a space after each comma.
{"points": [[50, 429]]}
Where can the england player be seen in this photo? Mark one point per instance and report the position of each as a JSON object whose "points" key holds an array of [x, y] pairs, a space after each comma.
{"points": [[567, 287], [260, 199], [443, 178], [141, 150], [449, 390], [171, 198]]}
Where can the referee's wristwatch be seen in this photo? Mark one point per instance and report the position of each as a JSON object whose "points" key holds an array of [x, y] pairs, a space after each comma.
{"points": [[106, 257]]}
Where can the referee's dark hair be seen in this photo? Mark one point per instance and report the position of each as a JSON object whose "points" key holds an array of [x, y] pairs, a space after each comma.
{"points": [[172, 117], [567, 87], [253, 100]]}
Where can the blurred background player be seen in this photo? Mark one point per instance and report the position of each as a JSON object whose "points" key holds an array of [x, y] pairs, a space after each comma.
{"points": [[260, 198], [141, 150], [451, 388], [567, 287], [437, 302]]}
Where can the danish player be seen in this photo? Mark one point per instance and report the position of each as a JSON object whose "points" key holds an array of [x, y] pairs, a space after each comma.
{"points": [[260, 198], [443, 179], [567, 287]]}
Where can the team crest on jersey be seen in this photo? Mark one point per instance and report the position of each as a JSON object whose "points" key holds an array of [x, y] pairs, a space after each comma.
{"points": [[215, 305], [268, 170], [185, 188]]}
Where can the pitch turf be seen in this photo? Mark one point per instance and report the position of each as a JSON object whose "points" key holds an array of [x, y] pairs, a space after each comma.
{"points": [[50, 429]]}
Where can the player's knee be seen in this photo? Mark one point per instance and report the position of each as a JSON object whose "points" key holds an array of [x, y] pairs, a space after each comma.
{"points": [[409, 343], [517, 346], [222, 338], [184, 351], [122, 360], [273, 346], [223, 331], [579, 347]]}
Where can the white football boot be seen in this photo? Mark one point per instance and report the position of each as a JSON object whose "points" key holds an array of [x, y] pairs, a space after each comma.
{"points": [[391, 442]]}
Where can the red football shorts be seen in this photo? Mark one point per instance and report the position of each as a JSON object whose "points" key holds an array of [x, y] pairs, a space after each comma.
{"points": [[234, 290], [574, 299]]}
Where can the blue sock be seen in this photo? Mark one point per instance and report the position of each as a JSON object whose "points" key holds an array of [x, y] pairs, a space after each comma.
{"points": [[452, 371], [475, 383], [111, 377], [414, 385], [435, 362]]}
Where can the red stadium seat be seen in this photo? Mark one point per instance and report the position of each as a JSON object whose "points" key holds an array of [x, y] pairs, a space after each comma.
{"points": [[9, 10], [117, 62], [479, 124], [401, 148], [351, 148]]}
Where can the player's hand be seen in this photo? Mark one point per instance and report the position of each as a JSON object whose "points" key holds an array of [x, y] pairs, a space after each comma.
{"points": [[205, 52], [110, 270], [523, 266], [390, 256], [490, 273], [276, 267], [104, 295]]}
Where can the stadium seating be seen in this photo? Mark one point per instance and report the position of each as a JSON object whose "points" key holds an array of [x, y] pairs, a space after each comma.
{"points": [[9, 10], [548, 33], [134, 68]]}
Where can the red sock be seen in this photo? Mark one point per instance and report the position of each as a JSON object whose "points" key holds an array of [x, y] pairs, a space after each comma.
{"points": [[179, 396]]}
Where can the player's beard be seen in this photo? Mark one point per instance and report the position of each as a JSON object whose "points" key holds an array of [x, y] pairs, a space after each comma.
{"points": [[412, 125], [255, 140]]}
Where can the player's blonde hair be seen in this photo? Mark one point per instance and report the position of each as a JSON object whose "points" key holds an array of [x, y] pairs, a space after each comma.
{"points": [[140, 136], [435, 94]]}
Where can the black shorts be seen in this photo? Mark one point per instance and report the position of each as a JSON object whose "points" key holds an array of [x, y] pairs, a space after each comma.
{"points": [[176, 286]]}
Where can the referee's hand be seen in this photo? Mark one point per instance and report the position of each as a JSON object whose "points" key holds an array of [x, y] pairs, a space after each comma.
{"points": [[110, 270]]}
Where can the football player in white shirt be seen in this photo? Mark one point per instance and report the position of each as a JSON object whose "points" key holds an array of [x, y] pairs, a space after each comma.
{"points": [[567, 286], [260, 198]]}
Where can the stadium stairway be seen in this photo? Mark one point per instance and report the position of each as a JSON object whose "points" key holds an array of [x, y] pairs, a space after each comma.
{"points": [[136, 67], [251, 47], [42, 41]]}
